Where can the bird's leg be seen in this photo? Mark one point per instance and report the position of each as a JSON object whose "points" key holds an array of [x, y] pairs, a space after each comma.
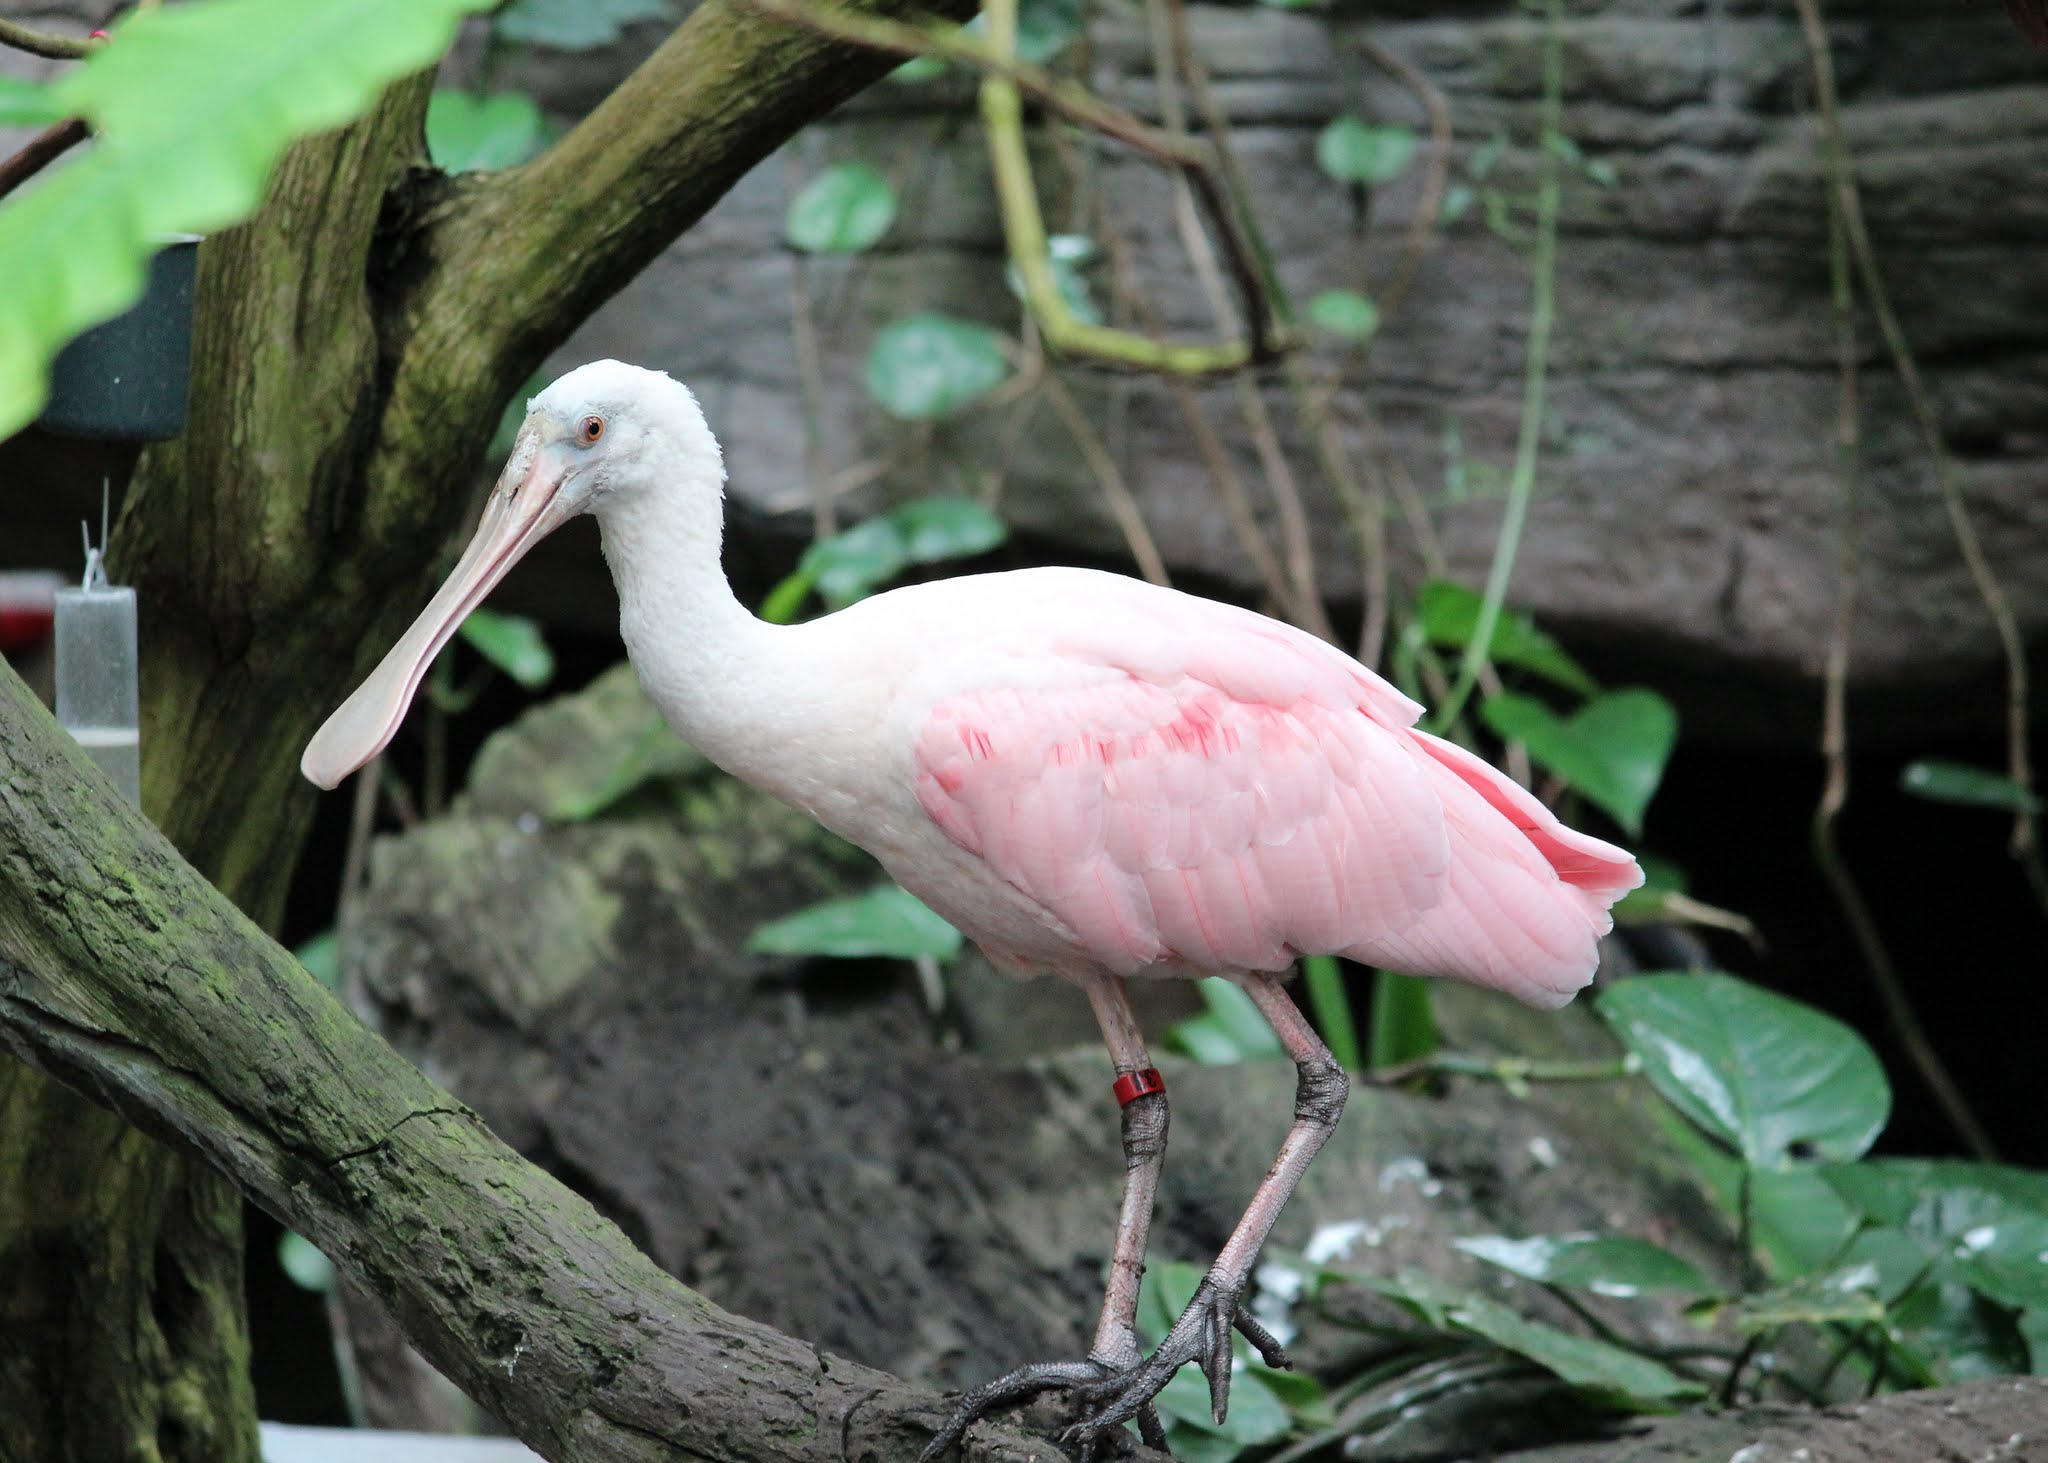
{"points": [[1202, 1334], [1115, 1352]]}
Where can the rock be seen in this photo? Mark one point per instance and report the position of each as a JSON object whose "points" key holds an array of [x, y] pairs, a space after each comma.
{"points": [[1687, 497], [798, 1142]]}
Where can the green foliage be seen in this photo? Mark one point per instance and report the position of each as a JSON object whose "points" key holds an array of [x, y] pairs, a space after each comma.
{"points": [[513, 644], [193, 105], [474, 134], [927, 366], [1067, 255], [884, 923], [1403, 1021], [576, 25], [321, 956], [1344, 313], [1258, 1412], [1605, 1371], [843, 210], [1969, 787], [1767, 1076], [27, 104], [1449, 616], [307, 1267], [1330, 1003], [1352, 151], [1616, 1265], [854, 564], [1231, 1030], [1045, 28], [1612, 750]]}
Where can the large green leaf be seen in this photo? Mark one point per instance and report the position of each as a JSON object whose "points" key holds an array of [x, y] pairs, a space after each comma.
{"points": [[1606, 1264], [475, 134], [1849, 1294], [1773, 1079], [1886, 1190], [193, 105], [1352, 151], [930, 365], [843, 210], [576, 25], [884, 923], [1449, 614], [935, 530], [1612, 749]]}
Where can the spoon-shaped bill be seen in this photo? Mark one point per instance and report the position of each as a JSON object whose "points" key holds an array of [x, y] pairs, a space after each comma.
{"points": [[526, 505]]}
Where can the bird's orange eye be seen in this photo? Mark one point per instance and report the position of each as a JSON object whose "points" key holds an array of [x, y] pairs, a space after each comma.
{"points": [[590, 429]]}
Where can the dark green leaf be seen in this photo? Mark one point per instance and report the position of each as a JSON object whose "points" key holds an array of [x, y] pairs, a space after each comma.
{"points": [[843, 210], [1450, 615], [1230, 1031], [934, 530], [1163, 1293], [1403, 1020], [1579, 1360], [321, 956], [473, 134], [1965, 1336], [1616, 1265], [307, 1267], [1045, 28], [1646, 903], [852, 565], [1886, 1190], [1329, 1001], [930, 365], [1351, 151], [1256, 1415], [576, 25], [1768, 1076], [884, 923], [1849, 1295], [1345, 313], [513, 644], [1612, 749], [1970, 787]]}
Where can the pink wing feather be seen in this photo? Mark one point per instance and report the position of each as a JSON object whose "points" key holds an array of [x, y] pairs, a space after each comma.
{"points": [[1234, 795]]}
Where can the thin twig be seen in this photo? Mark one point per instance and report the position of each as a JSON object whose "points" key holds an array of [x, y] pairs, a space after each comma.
{"points": [[1542, 313], [1006, 81], [1884, 974], [1123, 505], [47, 44], [1436, 175], [1172, 55], [1848, 199], [39, 152]]}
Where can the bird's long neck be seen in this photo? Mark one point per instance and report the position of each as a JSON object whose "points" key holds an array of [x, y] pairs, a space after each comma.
{"points": [[703, 658]]}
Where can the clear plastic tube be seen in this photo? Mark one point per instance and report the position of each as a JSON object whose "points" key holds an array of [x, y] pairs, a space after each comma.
{"points": [[98, 700]]}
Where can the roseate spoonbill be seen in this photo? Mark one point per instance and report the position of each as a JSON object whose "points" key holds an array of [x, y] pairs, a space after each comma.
{"points": [[1091, 776]]}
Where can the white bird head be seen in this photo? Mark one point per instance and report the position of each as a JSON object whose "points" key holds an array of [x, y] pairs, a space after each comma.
{"points": [[597, 440]]}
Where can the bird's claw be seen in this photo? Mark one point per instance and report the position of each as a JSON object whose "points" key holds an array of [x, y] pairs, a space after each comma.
{"points": [[1202, 1336], [1082, 1377]]}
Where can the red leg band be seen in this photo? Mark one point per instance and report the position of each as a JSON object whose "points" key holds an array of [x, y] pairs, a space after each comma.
{"points": [[1131, 1086]]}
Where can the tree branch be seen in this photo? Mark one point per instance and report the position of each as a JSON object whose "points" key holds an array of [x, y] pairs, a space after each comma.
{"points": [[129, 977], [47, 44]]}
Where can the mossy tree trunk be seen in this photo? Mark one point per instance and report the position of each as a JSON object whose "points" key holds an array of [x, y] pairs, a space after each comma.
{"points": [[355, 343]]}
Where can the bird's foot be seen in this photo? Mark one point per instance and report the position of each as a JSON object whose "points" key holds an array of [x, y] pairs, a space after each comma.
{"points": [[1201, 1336], [1085, 1378]]}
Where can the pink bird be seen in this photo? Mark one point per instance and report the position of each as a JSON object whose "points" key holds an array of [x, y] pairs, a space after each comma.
{"points": [[1090, 776]]}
